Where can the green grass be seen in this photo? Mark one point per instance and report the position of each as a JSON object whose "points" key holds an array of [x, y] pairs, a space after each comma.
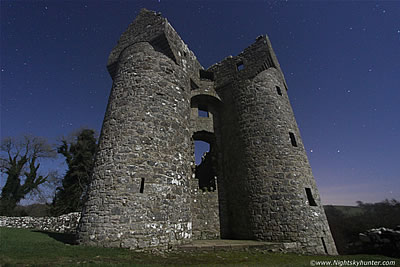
{"points": [[25, 247]]}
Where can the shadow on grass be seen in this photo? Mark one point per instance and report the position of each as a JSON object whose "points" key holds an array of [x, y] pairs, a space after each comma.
{"points": [[69, 239]]}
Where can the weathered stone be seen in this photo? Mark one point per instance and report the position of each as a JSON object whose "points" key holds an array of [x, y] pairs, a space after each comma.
{"points": [[256, 183]]}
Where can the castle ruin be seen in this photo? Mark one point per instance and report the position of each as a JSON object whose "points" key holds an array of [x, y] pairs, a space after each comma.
{"points": [[255, 183]]}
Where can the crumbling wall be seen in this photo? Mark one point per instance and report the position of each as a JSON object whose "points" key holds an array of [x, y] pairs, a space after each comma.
{"points": [[205, 204], [381, 240]]}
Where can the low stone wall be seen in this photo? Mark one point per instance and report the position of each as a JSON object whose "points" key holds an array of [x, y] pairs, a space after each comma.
{"points": [[381, 240], [66, 223]]}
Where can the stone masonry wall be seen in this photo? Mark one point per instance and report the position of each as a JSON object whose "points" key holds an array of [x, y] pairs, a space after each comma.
{"points": [[140, 194], [272, 192], [142, 172], [66, 223], [205, 215]]}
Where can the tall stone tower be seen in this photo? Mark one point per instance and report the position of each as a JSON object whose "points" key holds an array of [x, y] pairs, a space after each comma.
{"points": [[254, 183]]}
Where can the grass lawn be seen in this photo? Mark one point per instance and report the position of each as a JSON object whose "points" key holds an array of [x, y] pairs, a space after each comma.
{"points": [[26, 247]]}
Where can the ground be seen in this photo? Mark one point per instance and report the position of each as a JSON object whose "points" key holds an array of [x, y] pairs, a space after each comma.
{"points": [[26, 247]]}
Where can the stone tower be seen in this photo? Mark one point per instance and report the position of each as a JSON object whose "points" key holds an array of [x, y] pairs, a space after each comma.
{"points": [[255, 182]]}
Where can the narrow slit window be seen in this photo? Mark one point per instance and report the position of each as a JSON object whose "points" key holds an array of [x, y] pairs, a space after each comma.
{"points": [[141, 185], [293, 139], [278, 90], [240, 66], [323, 243], [310, 197], [203, 112]]}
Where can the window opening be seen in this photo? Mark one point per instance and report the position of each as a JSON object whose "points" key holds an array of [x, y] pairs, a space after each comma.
{"points": [[323, 243], [200, 148], [278, 89], [240, 66], [293, 139], [310, 197], [161, 44], [206, 75], [141, 185], [203, 112]]}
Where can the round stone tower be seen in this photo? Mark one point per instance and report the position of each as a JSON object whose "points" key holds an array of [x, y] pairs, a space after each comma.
{"points": [[139, 194], [271, 191]]}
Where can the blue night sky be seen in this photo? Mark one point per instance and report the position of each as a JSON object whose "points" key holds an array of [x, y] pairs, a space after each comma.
{"points": [[341, 60]]}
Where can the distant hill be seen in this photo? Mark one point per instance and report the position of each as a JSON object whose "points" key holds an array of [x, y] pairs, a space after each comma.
{"points": [[347, 210]]}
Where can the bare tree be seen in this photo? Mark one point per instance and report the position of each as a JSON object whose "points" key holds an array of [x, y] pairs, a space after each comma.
{"points": [[19, 163]]}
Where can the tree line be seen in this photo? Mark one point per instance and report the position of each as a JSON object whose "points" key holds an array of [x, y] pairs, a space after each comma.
{"points": [[19, 166]]}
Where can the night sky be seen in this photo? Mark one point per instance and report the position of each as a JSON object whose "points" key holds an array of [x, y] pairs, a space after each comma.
{"points": [[341, 61]]}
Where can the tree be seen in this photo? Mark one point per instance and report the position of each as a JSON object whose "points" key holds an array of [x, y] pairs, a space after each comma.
{"points": [[19, 162], [79, 154]]}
